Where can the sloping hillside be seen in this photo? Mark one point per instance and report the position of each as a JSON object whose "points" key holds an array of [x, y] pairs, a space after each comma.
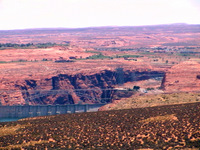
{"points": [[152, 100], [165, 127]]}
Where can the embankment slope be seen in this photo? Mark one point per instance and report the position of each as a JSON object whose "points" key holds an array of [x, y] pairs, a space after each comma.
{"points": [[163, 127]]}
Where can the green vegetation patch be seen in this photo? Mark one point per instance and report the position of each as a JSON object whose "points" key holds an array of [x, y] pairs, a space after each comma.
{"points": [[127, 49], [129, 56], [29, 45], [99, 56], [2, 62], [186, 54], [92, 52], [147, 53]]}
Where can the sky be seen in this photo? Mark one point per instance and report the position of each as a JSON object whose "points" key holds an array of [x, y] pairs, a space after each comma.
{"points": [[21, 14]]}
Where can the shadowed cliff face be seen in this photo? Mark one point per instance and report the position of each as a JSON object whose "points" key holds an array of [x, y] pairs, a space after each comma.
{"points": [[73, 89]]}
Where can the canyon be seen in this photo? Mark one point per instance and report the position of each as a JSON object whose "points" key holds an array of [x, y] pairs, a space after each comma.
{"points": [[93, 85], [65, 88], [98, 65]]}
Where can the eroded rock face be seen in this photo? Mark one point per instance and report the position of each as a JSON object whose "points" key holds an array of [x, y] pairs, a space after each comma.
{"points": [[60, 89], [68, 88], [182, 77]]}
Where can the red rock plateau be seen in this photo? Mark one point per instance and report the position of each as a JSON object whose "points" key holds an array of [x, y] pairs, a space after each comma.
{"points": [[109, 37], [41, 54], [182, 77], [29, 76]]}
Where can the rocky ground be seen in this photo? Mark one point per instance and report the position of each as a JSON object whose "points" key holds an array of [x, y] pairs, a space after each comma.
{"points": [[163, 127]]}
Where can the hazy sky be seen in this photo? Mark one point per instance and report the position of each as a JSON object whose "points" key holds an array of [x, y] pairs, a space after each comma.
{"points": [[19, 14]]}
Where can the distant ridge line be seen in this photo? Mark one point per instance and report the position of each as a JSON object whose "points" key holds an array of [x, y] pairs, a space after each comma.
{"points": [[98, 27]]}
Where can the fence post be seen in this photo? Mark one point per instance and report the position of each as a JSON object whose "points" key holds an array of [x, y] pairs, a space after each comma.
{"points": [[49, 110], [38, 110], [74, 108], [68, 110], [57, 109], [29, 111], [19, 111], [85, 107]]}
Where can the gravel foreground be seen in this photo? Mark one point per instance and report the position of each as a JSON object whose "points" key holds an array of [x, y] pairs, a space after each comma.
{"points": [[162, 127]]}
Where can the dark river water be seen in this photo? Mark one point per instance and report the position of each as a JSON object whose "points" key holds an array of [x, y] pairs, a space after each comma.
{"points": [[9, 119]]}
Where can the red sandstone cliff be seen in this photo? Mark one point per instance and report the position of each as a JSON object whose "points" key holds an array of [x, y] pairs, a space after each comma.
{"points": [[58, 89], [68, 88], [182, 77]]}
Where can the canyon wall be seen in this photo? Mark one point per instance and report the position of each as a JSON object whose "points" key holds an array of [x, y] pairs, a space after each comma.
{"points": [[69, 89]]}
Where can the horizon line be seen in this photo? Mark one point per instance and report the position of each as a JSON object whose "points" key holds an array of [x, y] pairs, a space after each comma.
{"points": [[106, 26]]}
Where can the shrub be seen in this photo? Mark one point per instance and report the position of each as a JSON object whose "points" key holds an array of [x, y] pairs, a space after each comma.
{"points": [[136, 88]]}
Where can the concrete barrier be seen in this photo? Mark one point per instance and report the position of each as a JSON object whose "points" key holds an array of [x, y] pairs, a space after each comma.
{"points": [[24, 111]]}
